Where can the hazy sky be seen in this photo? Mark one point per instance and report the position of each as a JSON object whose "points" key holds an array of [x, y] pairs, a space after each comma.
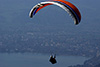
{"points": [[14, 16]]}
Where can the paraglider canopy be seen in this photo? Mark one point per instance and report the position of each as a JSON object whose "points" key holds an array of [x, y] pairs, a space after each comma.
{"points": [[67, 6]]}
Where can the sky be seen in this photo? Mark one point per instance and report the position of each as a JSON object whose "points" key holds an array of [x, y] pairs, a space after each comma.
{"points": [[14, 17], [11, 10]]}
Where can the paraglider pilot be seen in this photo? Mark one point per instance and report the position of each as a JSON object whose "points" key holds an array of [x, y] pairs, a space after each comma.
{"points": [[52, 59]]}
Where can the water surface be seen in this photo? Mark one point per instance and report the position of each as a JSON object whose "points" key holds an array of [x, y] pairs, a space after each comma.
{"points": [[37, 60]]}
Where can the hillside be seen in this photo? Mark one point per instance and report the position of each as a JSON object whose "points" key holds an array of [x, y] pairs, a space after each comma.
{"points": [[93, 62]]}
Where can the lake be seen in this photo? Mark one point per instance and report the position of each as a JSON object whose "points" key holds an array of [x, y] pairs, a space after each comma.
{"points": [[37, 60]]}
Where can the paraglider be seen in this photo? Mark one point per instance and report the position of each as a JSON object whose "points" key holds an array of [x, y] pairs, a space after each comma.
{"points": [[67, 6], [53, 59]]}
